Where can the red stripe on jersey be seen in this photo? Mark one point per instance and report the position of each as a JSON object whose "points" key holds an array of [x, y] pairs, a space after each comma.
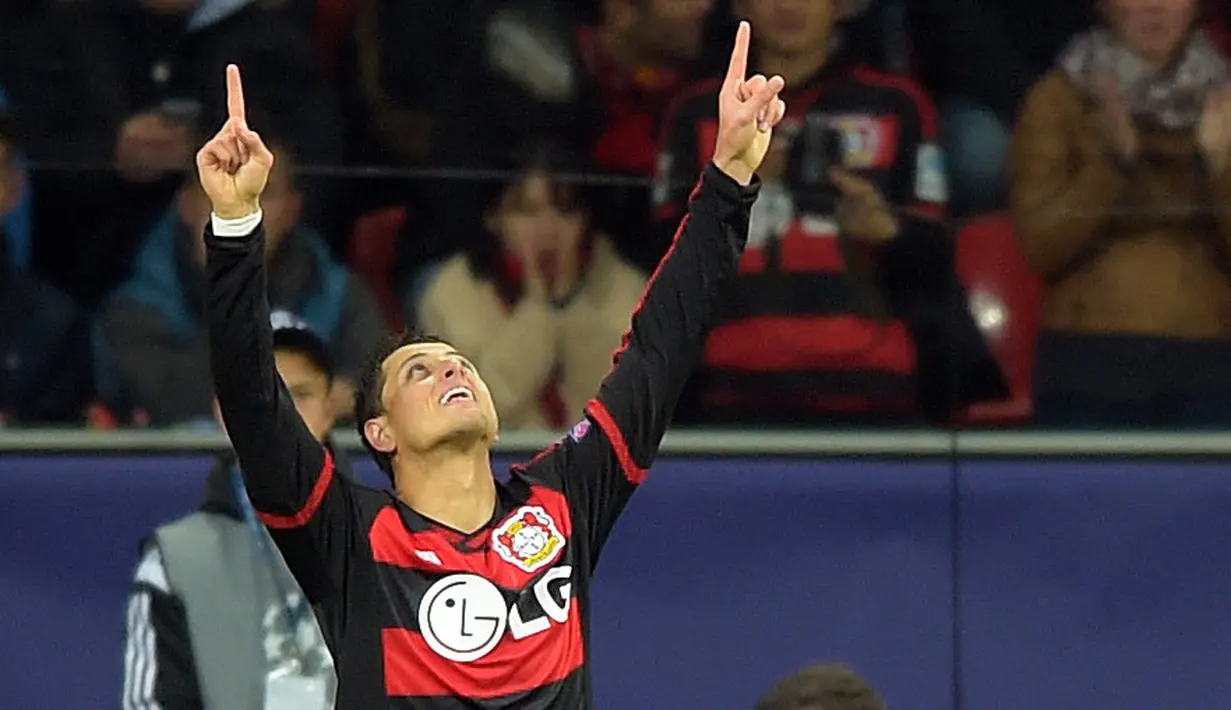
{"points": [[634, 473], [804, 343], [434, 550], [413, 669], [301, 518]]}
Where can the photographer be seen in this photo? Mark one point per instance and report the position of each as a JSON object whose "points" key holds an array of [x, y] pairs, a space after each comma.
{"points": [[848, 308]]}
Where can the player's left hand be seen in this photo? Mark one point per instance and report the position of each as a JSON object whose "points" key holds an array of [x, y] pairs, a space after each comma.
{"points": [[748, 110]]}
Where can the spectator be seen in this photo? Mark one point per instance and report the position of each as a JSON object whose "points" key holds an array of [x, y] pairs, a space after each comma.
{"points": [[1120, 189], [822, 687], [979, 57], [170, 55], [599, 88], [395, 41], [391, 103], [848, 308], [153, 342], [540, 298], [66, 106], [129, 82], [44, 338], [215, 619]]}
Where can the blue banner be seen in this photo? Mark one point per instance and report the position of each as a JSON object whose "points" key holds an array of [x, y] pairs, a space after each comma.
{"points": [[993, 585]]}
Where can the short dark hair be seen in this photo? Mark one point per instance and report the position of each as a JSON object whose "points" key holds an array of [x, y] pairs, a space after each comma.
{"points": [[822, 687], [372, 382], [308, 345], [485, 252]]}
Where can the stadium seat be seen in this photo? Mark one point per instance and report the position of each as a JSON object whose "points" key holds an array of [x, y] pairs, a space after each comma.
{"points": [[100, 416], [1004, 298], [373, 251]]}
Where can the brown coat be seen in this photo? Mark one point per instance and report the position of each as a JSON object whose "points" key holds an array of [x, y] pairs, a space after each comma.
{"points": [[1158, 268], [516, 350]]}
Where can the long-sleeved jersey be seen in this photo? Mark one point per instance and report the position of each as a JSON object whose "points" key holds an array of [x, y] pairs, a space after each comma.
{"points": [[418, 615]]}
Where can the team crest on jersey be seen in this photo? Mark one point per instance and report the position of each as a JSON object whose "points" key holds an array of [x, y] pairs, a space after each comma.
{"points": [[868, 142], [579, 430], [528, 539]]}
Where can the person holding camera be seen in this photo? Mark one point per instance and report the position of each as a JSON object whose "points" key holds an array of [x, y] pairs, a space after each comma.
{"points": [[849, 308]]}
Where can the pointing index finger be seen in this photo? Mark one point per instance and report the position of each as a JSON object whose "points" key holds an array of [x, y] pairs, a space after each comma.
{"points": [[235, 95], [738, 67]]}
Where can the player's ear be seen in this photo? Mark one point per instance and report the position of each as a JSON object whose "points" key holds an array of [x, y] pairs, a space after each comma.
{"points": [[376, 431]]}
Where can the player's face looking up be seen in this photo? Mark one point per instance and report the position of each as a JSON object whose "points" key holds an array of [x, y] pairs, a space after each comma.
{"points": [[431, 397]]}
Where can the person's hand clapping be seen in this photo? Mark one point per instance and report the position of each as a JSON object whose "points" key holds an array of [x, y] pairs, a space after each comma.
{"points": [[1214, 131], [748, 110], [234, 165], [149, 146]]}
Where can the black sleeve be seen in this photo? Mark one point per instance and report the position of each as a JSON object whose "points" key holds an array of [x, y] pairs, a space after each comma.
{"points": [[606, 456], [159, 667], [290, 477]]}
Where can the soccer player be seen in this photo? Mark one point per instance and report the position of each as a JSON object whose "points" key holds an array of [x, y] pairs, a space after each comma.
{"points": [[461, 591]]}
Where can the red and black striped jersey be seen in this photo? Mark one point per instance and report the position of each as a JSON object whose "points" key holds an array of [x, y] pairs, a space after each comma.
{"points": [[418, 615], [811, 326]]}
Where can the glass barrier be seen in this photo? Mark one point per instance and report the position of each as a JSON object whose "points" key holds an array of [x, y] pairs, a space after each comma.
{"points": [[948, 323], [1049, 264]]}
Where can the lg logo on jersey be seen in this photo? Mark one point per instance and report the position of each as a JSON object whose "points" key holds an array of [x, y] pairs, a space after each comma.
{"points": [[463, 616]]}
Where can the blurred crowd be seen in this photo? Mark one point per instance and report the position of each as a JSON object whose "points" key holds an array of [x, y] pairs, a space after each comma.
{"points": [[977, 211]]}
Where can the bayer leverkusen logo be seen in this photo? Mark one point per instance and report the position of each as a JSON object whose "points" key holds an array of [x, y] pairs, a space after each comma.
{"points": [[529, 538]]}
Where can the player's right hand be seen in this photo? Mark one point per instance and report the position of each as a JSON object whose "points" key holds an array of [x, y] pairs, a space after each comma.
{"points": [[234, 165]]}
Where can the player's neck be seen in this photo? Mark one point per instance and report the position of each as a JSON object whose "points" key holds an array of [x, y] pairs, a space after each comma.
{"points": [[796, 68], [451, 486]]}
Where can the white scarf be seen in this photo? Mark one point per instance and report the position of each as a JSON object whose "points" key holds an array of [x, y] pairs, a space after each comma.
{"points": [[1173, 97]]}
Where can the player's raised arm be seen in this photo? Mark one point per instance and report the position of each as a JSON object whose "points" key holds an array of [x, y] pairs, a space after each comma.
{"points": [[677, 312], [289, 475]]}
